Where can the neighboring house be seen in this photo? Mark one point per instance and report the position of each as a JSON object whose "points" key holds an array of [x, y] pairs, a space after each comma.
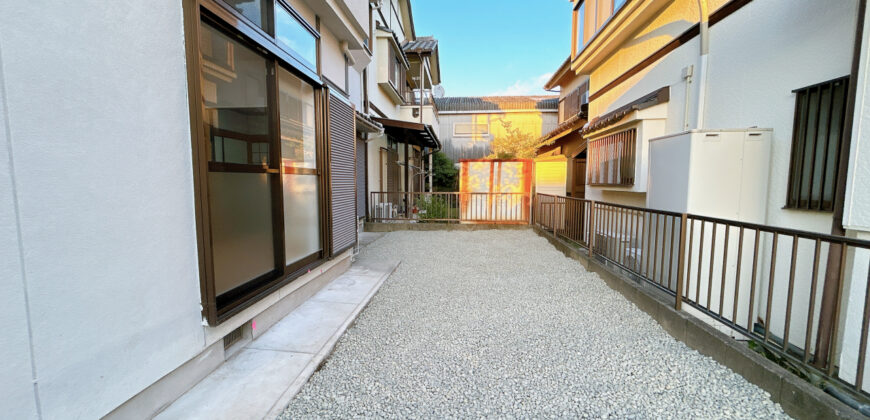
{"points": [[469, 124], [399, 86], [734, 109], [562, 153], [203, 179]]}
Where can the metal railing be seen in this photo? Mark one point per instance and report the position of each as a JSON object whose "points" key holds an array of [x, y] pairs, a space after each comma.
{"points": [[765, 283], [465, 207]]}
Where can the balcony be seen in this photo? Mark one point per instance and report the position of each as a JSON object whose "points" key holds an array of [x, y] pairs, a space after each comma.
{"points": [[413, 101]]}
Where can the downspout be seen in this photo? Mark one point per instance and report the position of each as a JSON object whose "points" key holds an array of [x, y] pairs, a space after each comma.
{"points": [[828, 315], [704, 32]]}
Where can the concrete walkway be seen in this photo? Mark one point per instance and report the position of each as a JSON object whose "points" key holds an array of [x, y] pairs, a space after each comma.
{"points": [[501, 324], [261, 378]]}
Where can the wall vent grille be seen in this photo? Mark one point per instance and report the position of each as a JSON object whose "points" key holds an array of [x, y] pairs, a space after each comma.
{"points": [[233, 337]]}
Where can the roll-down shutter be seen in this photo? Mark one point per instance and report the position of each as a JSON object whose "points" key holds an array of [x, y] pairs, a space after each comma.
{"points": [[341, 175]]}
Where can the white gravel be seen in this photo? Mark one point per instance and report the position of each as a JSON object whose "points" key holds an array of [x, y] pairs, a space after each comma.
{"points": [[501, 324]]}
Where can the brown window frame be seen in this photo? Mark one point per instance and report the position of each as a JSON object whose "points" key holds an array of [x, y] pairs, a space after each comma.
{"points": [[808, 116], [576, 31], [611, 160], [224, 18]]}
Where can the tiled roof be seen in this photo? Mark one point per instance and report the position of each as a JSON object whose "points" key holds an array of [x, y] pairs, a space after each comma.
{"points": [[574, 123], [423, 44], [497, 103], [656, 97]]}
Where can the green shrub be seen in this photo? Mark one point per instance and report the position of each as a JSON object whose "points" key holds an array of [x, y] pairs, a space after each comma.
{"points": [[435, 208]]}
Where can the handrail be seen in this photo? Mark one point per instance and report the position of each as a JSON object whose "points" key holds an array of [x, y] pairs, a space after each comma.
{"points": [[761, 281], [461, 207]]}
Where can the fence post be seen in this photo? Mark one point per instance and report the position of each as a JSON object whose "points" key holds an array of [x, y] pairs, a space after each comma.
{"points": [[553, 215], [678, 304], [590, 228], [533, 199]]}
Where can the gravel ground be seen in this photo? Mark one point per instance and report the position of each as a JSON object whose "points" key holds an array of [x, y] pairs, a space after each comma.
{"points": [[501, 324]]}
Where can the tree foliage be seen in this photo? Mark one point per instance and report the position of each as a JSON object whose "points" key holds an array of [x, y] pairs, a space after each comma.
{"points": [[514, 144], [445, 176]]}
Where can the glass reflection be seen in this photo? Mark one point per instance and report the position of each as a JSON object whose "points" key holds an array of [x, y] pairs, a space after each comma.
{"points": [[235, 112], [291, 33], [255, 10], [299, 167]]}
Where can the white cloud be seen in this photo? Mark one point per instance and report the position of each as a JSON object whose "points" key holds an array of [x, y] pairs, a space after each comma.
{"points": [[530, 86]]}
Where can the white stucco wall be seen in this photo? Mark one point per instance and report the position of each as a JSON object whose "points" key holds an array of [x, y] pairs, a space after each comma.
{"points": [[856, 210], [757, 57], [856, 219], [783, 56], [332, 58], [98, 121], [17, 396]]}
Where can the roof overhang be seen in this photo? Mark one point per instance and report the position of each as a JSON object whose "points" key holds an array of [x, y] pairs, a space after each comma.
{"points": [[364, 124], [566, 127], [410, 132], [558, 75], [626, 22], [653, 98]]}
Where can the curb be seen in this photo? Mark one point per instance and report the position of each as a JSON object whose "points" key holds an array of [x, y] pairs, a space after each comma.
{"points": [[325, 351]]}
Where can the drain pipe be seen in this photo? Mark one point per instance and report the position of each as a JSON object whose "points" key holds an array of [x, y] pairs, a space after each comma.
{"points": [[847, 399], [702, 65]]}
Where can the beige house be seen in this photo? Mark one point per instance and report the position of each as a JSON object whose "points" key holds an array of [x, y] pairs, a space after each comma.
{"points": [[399, 84], [738, 110]]}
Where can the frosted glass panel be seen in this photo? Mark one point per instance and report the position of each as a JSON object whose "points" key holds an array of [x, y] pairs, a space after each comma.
{"points": [[241, 228], [296, 108], [301, 217], [299, 167]]}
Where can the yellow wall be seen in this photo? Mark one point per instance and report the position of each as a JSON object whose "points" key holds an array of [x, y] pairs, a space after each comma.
{"points": [[662, 28], [527, 122]]}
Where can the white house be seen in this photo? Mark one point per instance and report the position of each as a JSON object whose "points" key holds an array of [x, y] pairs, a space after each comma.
{"points": [[175, 177], [399, 83], [739, 110]]}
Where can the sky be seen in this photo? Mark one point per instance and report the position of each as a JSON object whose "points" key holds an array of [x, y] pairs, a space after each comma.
{"points": [[496, 47]]}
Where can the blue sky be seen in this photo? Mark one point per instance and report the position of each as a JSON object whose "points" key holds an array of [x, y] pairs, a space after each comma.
{"points": [[496, 47]]}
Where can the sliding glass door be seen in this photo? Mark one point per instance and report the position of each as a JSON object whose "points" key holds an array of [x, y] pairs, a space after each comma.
{"points": [[264, 183], [240, 176]]}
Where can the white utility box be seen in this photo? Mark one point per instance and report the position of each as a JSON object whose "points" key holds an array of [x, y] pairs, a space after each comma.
{"points": [[716, 173]]}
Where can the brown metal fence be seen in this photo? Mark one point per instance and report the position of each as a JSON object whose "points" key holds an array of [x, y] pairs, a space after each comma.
{"points": [[467, 207], [763, 282]]}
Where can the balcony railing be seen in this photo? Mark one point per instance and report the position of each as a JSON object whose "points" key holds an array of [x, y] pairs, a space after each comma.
{"points": [[765, 283], [467, 207]]}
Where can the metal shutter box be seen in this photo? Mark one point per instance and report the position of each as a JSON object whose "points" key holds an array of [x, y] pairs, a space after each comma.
{"points": [[342, 175]]}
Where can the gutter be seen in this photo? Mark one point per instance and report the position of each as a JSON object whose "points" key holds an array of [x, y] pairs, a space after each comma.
{"points": [[703, 66]]}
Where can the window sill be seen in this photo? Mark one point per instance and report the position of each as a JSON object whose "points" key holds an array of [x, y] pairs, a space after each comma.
{"points": [[392, 92], [801, 209]]}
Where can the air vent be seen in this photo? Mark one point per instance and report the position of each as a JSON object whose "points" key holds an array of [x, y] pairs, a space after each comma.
{"points": [[233, 337]]}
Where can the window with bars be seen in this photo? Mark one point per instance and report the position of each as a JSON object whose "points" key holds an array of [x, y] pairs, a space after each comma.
{"points": [[816, 140], [611, 159], [569, 105]]}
